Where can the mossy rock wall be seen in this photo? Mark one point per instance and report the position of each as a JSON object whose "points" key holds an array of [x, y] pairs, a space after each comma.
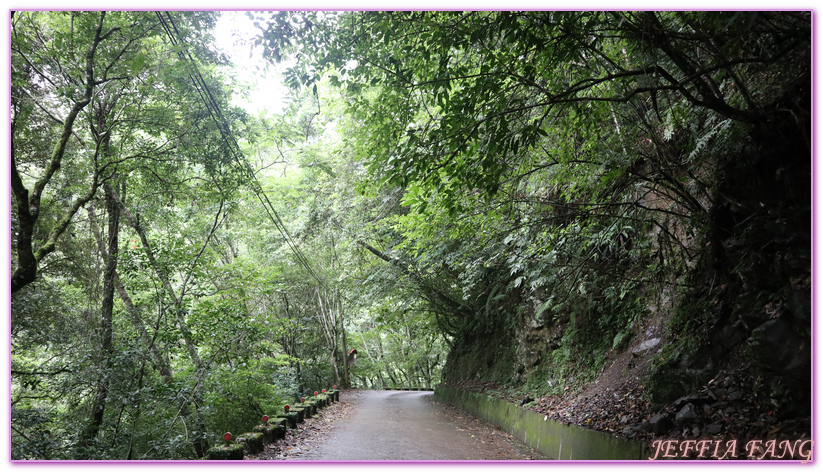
{"points": [[487, 353]]}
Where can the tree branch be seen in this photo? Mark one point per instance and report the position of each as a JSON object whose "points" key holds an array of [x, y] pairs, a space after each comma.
{"points": [[28, 203]]}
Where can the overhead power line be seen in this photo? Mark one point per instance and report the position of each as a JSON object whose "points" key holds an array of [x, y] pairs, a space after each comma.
{"points": [[173, 33]]}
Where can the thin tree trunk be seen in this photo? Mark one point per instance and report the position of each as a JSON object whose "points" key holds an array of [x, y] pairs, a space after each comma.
{"points": [[107, 308], [199, 430], [391, 377], [342, 330], [371, 358], [288, 342], [160, 359], [327, 322]]}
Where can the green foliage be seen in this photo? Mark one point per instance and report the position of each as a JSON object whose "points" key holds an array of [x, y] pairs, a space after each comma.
{"points": [[146, 127], [239, 394], [33, 434], [227, 330], [398, 344], [513, 188], [565, 155]]}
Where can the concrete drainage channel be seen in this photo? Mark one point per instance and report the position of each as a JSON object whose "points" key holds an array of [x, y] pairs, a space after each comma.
{"points": [[552, 438]]}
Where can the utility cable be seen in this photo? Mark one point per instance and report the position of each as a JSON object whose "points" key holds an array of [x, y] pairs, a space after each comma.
{"points": [[233, 147]]}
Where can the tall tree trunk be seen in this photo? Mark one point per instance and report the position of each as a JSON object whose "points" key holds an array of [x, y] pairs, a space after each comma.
{"points": [[106, 335], [391, 376], [327, 320], [342, 330], [198, 431], [161, 359], [371, 357], [287, 341]]}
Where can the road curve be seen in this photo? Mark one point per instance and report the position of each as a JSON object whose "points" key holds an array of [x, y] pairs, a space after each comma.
{"points": [[409, 426]]}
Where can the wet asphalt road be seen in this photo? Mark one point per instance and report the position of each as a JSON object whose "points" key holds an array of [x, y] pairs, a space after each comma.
{"points": [[408, 426]]}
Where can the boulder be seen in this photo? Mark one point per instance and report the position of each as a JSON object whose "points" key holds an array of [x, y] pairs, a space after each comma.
{"points": [[686, 414], [712, 429], [645, 346], [694, 398], [660, 424]]}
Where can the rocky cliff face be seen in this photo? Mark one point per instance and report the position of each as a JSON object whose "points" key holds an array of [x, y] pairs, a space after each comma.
{"points": [[745, 303]]}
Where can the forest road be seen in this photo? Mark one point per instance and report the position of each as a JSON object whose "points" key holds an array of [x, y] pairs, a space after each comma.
{"points": [[410, 426]]}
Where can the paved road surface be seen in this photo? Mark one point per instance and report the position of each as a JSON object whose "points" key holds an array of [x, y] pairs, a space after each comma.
{"points": [[408, 425]]}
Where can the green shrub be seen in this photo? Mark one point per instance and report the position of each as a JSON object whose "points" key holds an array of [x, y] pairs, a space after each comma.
{"points": [[236, 398]]}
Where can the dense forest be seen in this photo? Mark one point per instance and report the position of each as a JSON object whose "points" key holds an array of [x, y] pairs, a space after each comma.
{"points": [[516, 202]]}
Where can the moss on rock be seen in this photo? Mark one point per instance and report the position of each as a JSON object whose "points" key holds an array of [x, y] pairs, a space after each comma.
{"points": [[267, 430], [290, 418], [231, 451], [252, 442]]}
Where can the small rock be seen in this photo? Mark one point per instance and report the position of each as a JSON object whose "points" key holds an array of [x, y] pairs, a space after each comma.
{"points": [[696, 431], [660, 424], [737, 395], [624, 419], [687, 413], [642, 427], [713, 429], [696, 399]]}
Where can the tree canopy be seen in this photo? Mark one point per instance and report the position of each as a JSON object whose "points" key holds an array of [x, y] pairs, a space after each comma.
{"points": [[499, 196]]}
